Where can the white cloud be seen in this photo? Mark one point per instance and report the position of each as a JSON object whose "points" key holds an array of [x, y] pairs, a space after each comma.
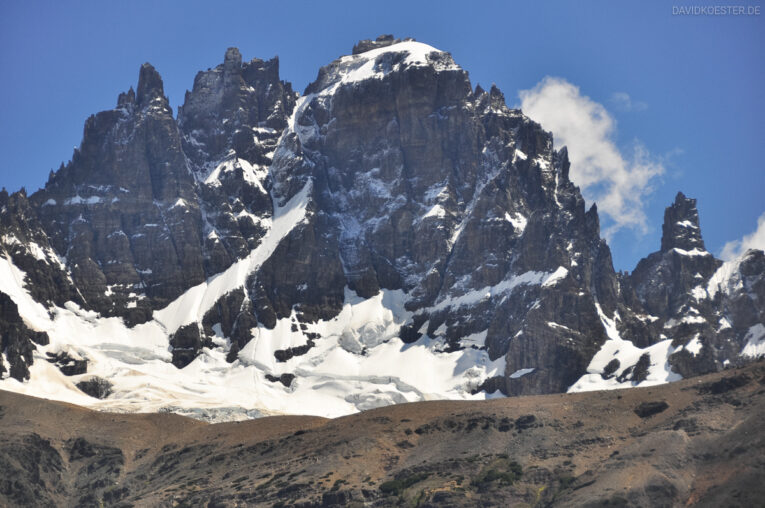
{"points": [[618, 183], [623, 102], [754, 240]]}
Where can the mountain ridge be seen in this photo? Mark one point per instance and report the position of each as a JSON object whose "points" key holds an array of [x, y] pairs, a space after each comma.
{"points": [[253, 229]]}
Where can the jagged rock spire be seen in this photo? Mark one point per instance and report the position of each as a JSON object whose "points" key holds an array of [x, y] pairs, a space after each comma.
{"points": [[248, 95], [681, 225], [126, 98], [232, 59], [150, 84]]}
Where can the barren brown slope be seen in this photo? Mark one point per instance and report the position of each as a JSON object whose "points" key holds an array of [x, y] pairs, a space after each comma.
{"points": [[703, 445]]}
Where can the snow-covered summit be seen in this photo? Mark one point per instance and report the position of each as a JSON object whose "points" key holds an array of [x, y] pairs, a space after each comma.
{"points": [[379, 62]]}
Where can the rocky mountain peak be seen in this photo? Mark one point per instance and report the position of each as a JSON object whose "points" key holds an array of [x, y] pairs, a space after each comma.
{"points": [[150, 84], [593, 219], [233, 58], [126, 98], [565, 164], [681, 226], [496, 98], [381, 42], [235, 106], [381, 61]]}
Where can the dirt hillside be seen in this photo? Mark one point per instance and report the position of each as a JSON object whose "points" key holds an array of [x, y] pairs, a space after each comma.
{"points": [[698, 442]]}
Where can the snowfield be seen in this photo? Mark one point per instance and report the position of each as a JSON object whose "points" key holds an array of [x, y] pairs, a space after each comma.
{"points": [[359, 363]]}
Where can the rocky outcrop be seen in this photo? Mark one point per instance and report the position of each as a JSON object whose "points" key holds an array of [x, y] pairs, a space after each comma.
{"points": [[382, 41], [124, 212], [69, 365], [231, 121], [664, 281], [186, 344], [17, 341], [25, 243], [737, 289], [96, 387], [739, 286], [681, 228], [671, 288], [235, 106]]}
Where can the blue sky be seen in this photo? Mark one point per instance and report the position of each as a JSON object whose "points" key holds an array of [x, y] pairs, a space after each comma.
{"points": [[688, 90]]}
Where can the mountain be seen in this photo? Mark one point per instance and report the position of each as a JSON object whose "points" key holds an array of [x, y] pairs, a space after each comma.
{"points": [[693, 443], [393, 234]]}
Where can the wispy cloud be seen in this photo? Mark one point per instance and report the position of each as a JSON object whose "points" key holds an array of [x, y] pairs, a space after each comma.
{"points": [[754, 240], [617, 181], [623, 102]]}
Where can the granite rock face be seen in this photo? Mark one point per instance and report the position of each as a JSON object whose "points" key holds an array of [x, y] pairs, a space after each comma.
{"points": [[17, 341], [150, 206], [230, 122], [420, 183], [674, 287], [124, 211], [235, 106], [26, 244], [414, 182]]}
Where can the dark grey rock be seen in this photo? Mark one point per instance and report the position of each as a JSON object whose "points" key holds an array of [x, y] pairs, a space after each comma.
{"points": [[646, 409], [66, 364], [186, 343], [96, 387], [681, 226], [382, 41], [725, 384], [285, 379], [17, 341]]}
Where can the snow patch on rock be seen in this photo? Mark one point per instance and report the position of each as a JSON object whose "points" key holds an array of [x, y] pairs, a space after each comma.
{"points": [[755, 342], [659, 371]]}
